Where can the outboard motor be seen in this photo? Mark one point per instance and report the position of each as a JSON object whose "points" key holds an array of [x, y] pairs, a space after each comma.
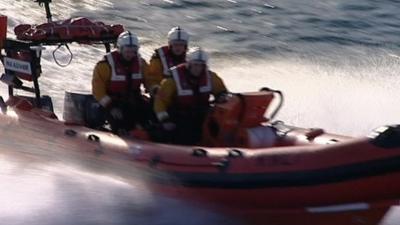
{"points": [[83, 109], [386, 136]]}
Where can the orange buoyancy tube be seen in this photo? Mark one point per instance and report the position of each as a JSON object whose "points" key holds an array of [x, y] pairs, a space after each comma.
{"points": [[120, 74], [283, 176], [189, 96]]}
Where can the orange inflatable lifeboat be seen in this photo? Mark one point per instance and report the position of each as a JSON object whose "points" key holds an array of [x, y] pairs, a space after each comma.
{"points": [[304, 177], [249, 166], [279, 173]]}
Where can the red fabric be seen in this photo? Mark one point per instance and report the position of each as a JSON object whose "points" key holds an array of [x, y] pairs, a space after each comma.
{"points": [[71, 29], [170, 59], [198, 99], [118, 87], [3, 29], [167, 55]]}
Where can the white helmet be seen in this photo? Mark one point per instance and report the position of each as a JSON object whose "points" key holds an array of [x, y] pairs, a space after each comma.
{"points": [[126, 38], [197, 54], [178, 34]]}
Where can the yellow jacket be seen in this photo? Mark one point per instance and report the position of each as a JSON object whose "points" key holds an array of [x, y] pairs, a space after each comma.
{"points": [[102, 78], [168, 92], [156, 73], [156, 69]]}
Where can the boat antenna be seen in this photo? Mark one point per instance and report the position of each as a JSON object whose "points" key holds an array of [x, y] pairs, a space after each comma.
{"points": [[46, 4]]}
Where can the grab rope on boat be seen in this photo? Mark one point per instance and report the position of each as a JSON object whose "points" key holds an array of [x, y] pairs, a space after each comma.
{"points": [[70, 53], [280, 104], [3, 105]]}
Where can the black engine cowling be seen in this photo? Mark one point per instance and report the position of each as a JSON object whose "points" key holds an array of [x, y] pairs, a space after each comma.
{"points": [[386, 136]]}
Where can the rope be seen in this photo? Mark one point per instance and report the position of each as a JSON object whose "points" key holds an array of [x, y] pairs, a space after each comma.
{"points": [[55, 58]]}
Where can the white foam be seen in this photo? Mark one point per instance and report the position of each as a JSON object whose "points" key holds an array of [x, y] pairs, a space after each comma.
{"points": [[350, 99]]}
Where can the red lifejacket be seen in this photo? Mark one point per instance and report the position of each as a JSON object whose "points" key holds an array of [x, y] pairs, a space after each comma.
{"points": [[167, 60], [189, 97], [119, 74]]}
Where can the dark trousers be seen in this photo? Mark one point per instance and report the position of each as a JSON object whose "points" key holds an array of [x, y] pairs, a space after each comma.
{"points": [[189, 128], [135, 112]]}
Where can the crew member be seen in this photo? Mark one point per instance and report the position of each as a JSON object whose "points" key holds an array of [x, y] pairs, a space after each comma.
{"points": [[167, 56], [116, 85], [183, 99]]}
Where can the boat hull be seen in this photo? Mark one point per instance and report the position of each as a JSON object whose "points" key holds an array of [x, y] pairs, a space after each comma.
{"points": [[175, 171]]}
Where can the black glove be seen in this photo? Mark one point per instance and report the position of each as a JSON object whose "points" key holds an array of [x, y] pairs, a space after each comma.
{"points": [[221, 98], [116, 113], [168, 125], [154, 90]]}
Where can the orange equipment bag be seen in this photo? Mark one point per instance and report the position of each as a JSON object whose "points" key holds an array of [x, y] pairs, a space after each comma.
{"points": [[225, 122]]}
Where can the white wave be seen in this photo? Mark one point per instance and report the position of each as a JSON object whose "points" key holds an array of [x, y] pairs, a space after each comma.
{"points": [[352, 98]]}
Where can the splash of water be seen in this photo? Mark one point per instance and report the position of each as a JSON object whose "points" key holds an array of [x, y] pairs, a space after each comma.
{"points": [[351, 98]]}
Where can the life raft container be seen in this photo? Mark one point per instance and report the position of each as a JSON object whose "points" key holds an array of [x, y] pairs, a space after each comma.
{"points": [[77, 29]]}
